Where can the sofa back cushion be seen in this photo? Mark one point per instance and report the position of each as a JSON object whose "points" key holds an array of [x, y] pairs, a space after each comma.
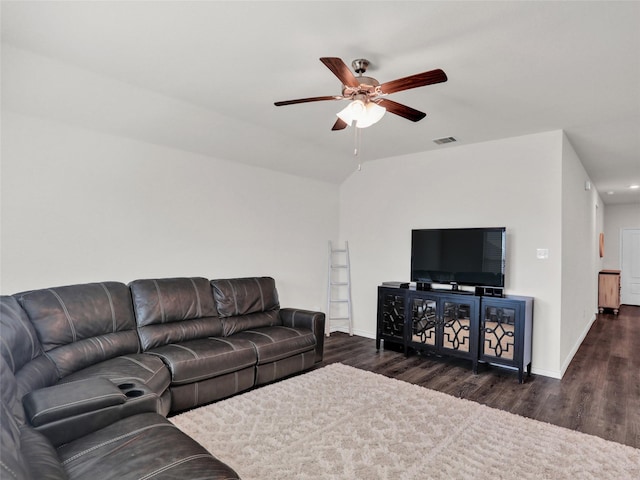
{"points": [[173, 310], [81, 325], [245, 303], [240, 296], [40, 456]]}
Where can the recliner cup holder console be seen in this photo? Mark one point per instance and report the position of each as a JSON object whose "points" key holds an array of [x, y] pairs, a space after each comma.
{"points": [[131, 390], [134, 393]]}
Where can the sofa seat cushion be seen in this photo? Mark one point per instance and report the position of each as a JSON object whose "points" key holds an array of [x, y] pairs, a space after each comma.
{"points": [[275, 343], [138, 368], [142, 446], [204, 358], [39, 456], [250, 321]]}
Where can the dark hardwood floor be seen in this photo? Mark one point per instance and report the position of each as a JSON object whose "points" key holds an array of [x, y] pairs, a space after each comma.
{"points": [[599, 394]]}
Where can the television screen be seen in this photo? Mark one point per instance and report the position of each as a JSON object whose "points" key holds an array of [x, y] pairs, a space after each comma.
{"points": [[463, 256]]}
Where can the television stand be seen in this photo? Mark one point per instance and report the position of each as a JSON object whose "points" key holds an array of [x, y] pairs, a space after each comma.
{"points": [[495, 330]]}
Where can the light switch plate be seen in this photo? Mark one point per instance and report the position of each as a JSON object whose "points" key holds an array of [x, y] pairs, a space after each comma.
{"points": [[542, 253]]}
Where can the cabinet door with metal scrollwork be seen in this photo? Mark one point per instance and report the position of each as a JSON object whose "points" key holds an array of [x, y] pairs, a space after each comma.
{"points": [[393, 316], [456, 326], [506, 332], [498, 326], [423, 321]]}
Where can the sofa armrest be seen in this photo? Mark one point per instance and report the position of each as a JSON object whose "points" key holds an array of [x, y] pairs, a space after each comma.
{"points": [[71, 410], [49, 404], [314, 321]]}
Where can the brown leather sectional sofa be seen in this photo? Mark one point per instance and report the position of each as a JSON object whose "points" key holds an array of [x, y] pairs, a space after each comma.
{"points": [[89, 372]]}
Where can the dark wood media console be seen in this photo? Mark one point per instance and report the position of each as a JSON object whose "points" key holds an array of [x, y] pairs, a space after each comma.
{"points": [[496, 330]]}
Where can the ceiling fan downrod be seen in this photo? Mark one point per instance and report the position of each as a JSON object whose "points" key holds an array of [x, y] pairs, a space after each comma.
{"points": [[360, 65]]}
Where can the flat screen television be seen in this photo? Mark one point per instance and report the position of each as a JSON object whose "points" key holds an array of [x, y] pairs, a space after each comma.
{"points": [[458, 256]]}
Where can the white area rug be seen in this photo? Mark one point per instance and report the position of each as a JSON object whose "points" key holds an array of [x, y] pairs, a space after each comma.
{"points": [[340, 422]]}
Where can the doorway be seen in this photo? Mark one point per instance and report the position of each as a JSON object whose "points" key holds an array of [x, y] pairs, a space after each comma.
{"points": [[630, 266]]}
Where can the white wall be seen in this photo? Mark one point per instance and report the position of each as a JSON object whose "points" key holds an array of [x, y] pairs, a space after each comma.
{"points": [[514, 182], [80, 206], [617, 217], [582, 214]]}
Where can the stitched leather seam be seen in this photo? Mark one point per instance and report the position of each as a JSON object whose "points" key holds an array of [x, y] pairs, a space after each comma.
{"points": [[128, 378], [55, 365], [293, 330], [280, 327], [8, 350], [234, 347], [261, 295], [96, 341], [261, 333], [115, 439], [162, 314], [140, 364], [192, 352], [79, 402], [211, 374], [7, 469], [174, 464], [199, 308], [74, 335], [24, 327], [289, 354], [235, 297], [154, 374], [113, 311]]}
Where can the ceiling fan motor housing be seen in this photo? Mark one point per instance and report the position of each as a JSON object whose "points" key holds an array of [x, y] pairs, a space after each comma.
{"points": [[368, 85]]}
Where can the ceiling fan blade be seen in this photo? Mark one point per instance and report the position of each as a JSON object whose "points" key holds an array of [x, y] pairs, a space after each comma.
{"points": [[401, 110], [339, 125], [340, 70], [414, 81], [310, 99]]}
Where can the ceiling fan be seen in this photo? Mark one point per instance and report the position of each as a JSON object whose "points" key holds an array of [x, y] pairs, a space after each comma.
{"points": [[367, 95]]}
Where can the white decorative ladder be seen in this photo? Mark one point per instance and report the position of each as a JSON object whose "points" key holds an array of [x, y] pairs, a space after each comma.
{"points": [[339, 288]]}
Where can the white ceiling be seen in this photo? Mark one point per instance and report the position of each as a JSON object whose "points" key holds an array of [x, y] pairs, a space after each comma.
{"points": [[203, 76]]}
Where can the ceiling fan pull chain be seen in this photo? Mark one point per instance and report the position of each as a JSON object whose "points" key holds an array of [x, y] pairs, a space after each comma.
{"points": [[356, 140]]}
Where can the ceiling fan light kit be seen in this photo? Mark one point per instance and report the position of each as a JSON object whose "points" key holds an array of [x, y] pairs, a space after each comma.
{"points": [[367, 95], [363, 112]]}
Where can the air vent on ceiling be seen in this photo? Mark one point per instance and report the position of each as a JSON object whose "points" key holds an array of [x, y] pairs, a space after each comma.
{"points": [[443, 140]]}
